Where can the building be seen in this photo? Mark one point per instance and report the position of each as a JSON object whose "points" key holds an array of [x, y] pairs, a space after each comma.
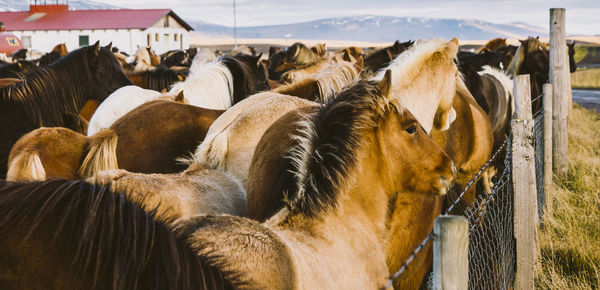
{"points": [[46, 25]]}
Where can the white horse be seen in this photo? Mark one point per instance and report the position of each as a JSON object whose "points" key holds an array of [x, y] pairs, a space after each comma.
{"points": [[119, 103]]}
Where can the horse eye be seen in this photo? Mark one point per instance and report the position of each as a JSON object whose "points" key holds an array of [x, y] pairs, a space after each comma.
{"points": [[411, 130]]}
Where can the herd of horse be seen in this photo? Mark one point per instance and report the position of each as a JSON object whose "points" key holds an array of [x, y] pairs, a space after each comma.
{"points": [[306, 168]]}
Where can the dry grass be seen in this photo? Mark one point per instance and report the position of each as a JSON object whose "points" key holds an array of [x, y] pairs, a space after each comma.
{"points": [[586, 78], [570, 239]]}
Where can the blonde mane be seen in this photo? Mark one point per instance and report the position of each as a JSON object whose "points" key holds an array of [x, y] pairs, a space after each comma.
{"points": [[423, 102], [504, 79], [209, 85], [102, 153]]}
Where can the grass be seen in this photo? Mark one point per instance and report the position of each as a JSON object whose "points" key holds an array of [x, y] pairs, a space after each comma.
{"points": [[586, 78], [570, 238]]}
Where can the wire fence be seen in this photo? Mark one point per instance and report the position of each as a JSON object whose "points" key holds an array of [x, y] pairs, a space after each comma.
{"points": [[492, 249]]}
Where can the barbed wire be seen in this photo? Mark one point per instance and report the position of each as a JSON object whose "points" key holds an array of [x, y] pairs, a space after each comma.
{"points": [[537, 98], [431, 235]]}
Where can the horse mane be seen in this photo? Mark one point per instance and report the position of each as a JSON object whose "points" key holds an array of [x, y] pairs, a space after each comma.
{"points": [[208, 85], [327, 82], [114, 241], [527, 46], [504, 79], [243, 69], [51, 92], [18, 69], [162, 78], [406, 67], [326, 147]]}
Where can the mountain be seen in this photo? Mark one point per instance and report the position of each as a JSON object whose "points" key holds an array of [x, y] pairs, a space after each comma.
{"points": [[20, 5], [378, 28]]}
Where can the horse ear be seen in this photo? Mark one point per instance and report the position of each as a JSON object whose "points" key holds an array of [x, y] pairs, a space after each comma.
{"points": [[347, 56], [389, 54], [179, 98], [452, 47], [97, 48], [258, 58], [20, 65], [385, 85], [109, 46], [180, 78]]}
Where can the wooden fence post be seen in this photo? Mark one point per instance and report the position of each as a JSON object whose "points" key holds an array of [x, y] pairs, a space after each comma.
{"points": [[547, 148], [525, 195], [451, 253], [558, 78]]}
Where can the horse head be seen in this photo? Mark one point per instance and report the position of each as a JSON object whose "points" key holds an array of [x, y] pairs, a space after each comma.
{"points": [[106, 73]]}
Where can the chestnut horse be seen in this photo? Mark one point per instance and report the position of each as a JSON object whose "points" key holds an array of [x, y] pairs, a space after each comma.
{"points": [[64, 234], [136, 142], [52, 95]]}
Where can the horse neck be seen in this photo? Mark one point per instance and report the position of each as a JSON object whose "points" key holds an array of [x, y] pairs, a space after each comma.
{"points": [[361, 203]]}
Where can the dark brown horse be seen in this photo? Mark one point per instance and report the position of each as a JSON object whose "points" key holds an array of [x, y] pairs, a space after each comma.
{"points": [[51, 95], [148, 139], [381, 58], [73, 235], [157, 79], [18, 70]]}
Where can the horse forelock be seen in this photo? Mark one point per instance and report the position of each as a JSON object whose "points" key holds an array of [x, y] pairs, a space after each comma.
{"points": [[116, 243], [405, 68], [327, 145]]}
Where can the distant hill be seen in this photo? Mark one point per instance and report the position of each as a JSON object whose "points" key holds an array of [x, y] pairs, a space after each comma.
{"points": [[378, 29]]}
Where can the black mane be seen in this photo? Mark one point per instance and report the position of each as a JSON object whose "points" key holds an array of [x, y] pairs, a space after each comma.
{"points": [[326, 148], [163, 78], [18, 69], [114, 242], [247, 78]]}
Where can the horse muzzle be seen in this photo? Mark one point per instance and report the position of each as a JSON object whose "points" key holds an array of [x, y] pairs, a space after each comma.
{"points": [[446, 181]]}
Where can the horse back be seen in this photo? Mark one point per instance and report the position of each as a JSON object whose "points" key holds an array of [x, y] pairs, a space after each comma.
{"points": [[152, 144]]}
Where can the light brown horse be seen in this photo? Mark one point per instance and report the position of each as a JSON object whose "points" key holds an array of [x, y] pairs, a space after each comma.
{"points": [[493, 45], [135, 142], [61, 49], [230, 141], [320, 86], [352, 158], [302, 72]]}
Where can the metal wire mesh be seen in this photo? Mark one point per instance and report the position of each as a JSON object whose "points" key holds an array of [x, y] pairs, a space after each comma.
{"points": [[491, 239]]}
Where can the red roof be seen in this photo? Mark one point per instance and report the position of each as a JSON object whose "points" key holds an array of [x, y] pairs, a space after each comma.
{"points": [[85, 19]]}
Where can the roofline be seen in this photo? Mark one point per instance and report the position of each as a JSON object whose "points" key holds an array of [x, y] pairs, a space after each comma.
{"points": [[180, 20], [168, 12]]}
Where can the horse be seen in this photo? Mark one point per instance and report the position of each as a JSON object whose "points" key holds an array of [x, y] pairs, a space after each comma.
{"points": [[319, 49], [157, 79], [320, 67], [20, 54], [49, 96], [532, 58], [135, 142], [219, 85], [18, 69], [145, 59], [493, 45], [492, 58], [122, 101], [57, 52], [71, 234], [381, 58], [320, 86], [296, 54], [335, 214], [178, 196], [243, 49], [231, 139]]}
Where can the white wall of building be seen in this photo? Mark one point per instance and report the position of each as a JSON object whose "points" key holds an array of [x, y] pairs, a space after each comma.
{"points": [[125, 39]]}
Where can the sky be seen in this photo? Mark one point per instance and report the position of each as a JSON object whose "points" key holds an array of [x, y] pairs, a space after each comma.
{"points": [[583, 16]]}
